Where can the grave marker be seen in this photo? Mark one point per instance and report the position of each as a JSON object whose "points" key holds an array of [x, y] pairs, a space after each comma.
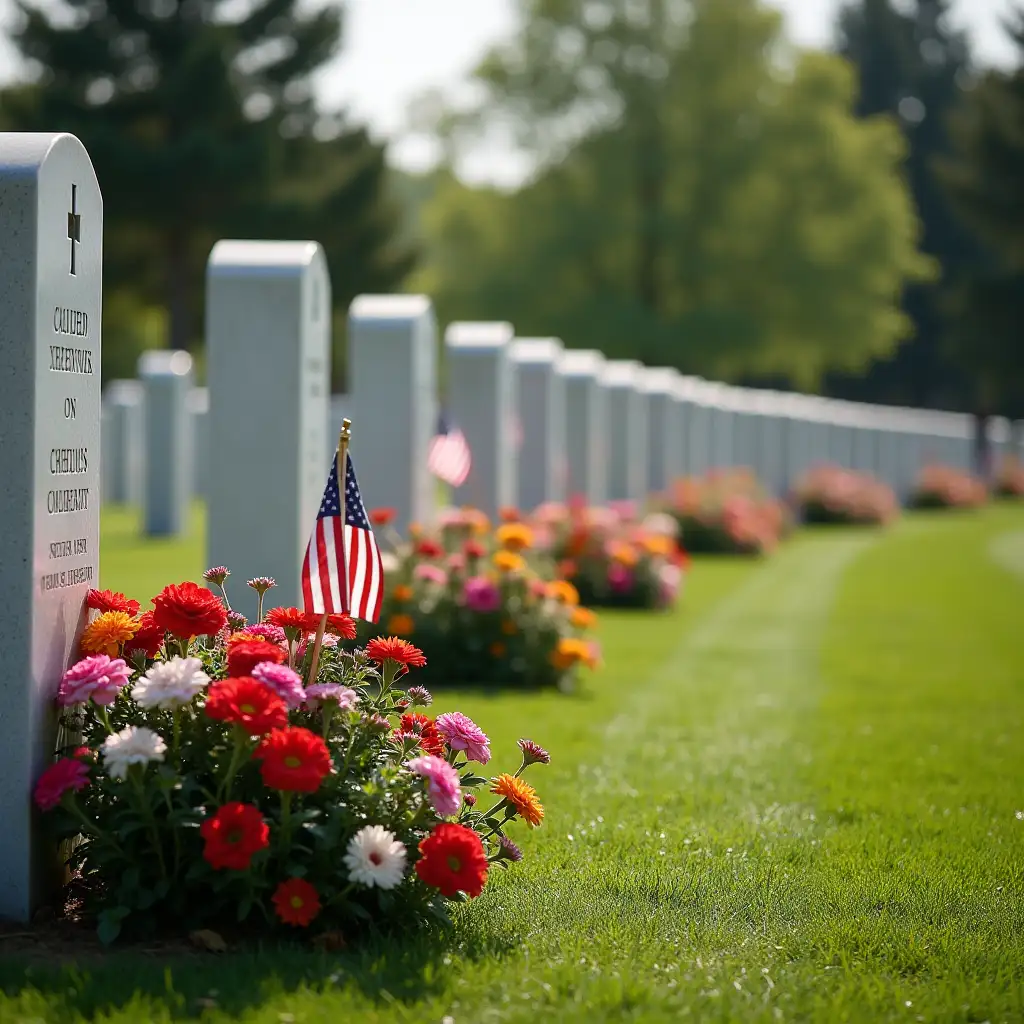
{"points": [[540, 392], [123, 441], [627, 418], [586, 425], [665, 433], [51, 255]]}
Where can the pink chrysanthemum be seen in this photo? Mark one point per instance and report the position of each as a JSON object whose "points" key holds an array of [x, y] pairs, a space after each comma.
{"points": [[327, 643], [97, 677], [481, 594], [320, 693], [420, 696], [261, 584], [265, 631], [236, 622], [217, 575], [534, 753], [443, 783], [462, 733], [66, 774], [284, 681]]}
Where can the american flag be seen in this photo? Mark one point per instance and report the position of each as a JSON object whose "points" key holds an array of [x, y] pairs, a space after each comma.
{"points": [[343, 578], [448, 456]]}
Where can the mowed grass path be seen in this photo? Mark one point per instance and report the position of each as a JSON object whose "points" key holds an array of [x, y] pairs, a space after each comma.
{"points": [[799, 797]]}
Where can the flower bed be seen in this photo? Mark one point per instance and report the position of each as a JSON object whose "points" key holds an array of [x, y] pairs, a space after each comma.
{"points": [[215, 784], [1010, 478], [830, 494], [726, 512], [611, 558], [939, 486], [483, 614]]}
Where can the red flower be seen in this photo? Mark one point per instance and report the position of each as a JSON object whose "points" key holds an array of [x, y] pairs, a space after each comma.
{"points": [[509, 514], [453, 860], [342, 625], [393, 648], [474, 549], [62, 776], [245, 655], [382, 516], [110, 601], [233, 835], [424, 730], [296, 902], [149, 638], [294, 759], [247, 702], [428, 548], [293, 619], [187, 610]]}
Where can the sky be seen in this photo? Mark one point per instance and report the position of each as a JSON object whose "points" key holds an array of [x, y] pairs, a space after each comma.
{"points": [[396, 50]]}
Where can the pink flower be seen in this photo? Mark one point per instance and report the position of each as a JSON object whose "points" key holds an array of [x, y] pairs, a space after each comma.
{"points": [[462, 733], [620, 578], [444, 790], [457, 562], [328, 641], [265, 631], [98, 677], [284, 681], [430, 573], [66, 774], [481, 595], [320, 692]]}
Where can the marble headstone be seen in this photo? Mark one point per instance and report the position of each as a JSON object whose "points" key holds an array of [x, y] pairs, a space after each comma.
{"points": [[123, 441], [627, 425], [199, 411], [51, 257], [664, 428], [268, 342], [586, 425], [540, 393]]}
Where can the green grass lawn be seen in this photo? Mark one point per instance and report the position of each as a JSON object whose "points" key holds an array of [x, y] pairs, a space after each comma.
{"points": [[801, 796]]}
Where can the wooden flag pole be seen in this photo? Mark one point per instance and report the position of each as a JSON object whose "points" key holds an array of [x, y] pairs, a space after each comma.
{"points": [[343, 442]]}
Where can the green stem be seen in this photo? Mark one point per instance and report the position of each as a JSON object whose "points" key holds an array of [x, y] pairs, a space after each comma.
{"points": [[286, 821], [224, 789], [224, 594], [259, 609], [105, 718], [175, 729], [147, 814]]}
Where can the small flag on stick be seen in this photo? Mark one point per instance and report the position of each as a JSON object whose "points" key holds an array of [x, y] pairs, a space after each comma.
{"points": [[448, 456]]}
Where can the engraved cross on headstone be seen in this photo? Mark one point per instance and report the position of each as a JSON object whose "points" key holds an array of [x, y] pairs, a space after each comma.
{"points": [[74, 225]]}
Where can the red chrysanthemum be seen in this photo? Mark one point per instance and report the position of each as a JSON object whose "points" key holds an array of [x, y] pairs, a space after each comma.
{"points": [[188, 610], [149, 637], [296, 902], [474, 549], [247, 702], [453, 860], [293, 619], [245, 655], [393, 648], [233, 834], [294, 759], [429, 548], [110, 601], [423, 729], [382, 516], [342, 625]]}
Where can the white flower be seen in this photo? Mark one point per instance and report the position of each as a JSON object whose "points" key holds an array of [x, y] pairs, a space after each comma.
{"points": [[134, 745], [169, 684], [375, 857]]}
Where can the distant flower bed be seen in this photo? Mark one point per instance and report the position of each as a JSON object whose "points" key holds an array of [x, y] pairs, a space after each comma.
{"points": [[939, 486], [830, 494], [612, 558], [1010, 478], [481, 606], [726, 512], [216, 784]]}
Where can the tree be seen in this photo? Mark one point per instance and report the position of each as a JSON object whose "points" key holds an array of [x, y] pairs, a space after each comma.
{"points": [[912, 66], [698, 201], [200, 120]]}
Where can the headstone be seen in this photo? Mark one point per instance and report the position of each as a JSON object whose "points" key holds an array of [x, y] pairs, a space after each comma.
{"points": [[664, 427], [586, 425], [123, 440], [339, 407], [392, 361], [769, 441], [51, 256], [167, 476], [199, 413], [481, 392], [698, 427], [540, 395], [268, 344], [627, 425], [721, 449]]}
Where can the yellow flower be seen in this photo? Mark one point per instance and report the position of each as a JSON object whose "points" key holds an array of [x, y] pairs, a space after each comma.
{"points": [[507, 561], [564, 592], [583, 618], [402, 593], [569, 651], [521, 796], [401, 624], [514, 536], [107, 633]]}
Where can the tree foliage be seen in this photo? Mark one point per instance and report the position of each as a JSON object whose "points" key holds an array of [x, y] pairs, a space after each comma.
{"points": [[704, 197]]}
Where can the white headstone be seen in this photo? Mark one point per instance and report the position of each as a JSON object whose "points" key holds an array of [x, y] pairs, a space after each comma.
{"points": [[199, 412], [167, 480], [540, 393], [482, 398], [697, 426], [664, 428], [392, 360], [721, 449], [627, 425], [586, 425], [51, 257], [268, 344], [123, 441]]}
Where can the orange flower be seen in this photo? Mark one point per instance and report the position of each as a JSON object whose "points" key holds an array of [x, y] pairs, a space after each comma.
{"points": [[415, 531], [497, 649], [564, 592], [342, 626], [402, 593], [508, 627], [520, 795], [569, 651], [625, 554], [243, 638], [514, 536], [508, 514], [583, 618], [399, 624], [383, 649], [476, 520], [507, 561], [107, 632], [657, 544]]}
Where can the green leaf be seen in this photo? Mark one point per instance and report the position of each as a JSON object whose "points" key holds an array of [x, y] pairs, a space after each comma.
{"points": [[109, 923]]}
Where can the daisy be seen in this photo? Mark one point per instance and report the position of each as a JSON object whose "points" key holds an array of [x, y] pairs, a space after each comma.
{"points": [[134, 745], [170, 684], [375, 857]]}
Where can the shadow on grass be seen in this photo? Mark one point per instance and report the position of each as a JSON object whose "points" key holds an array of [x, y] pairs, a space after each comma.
{"points": [[403, 969]]}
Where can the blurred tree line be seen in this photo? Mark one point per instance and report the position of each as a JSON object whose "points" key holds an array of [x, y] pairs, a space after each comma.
{"points": [[200, 120]]}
